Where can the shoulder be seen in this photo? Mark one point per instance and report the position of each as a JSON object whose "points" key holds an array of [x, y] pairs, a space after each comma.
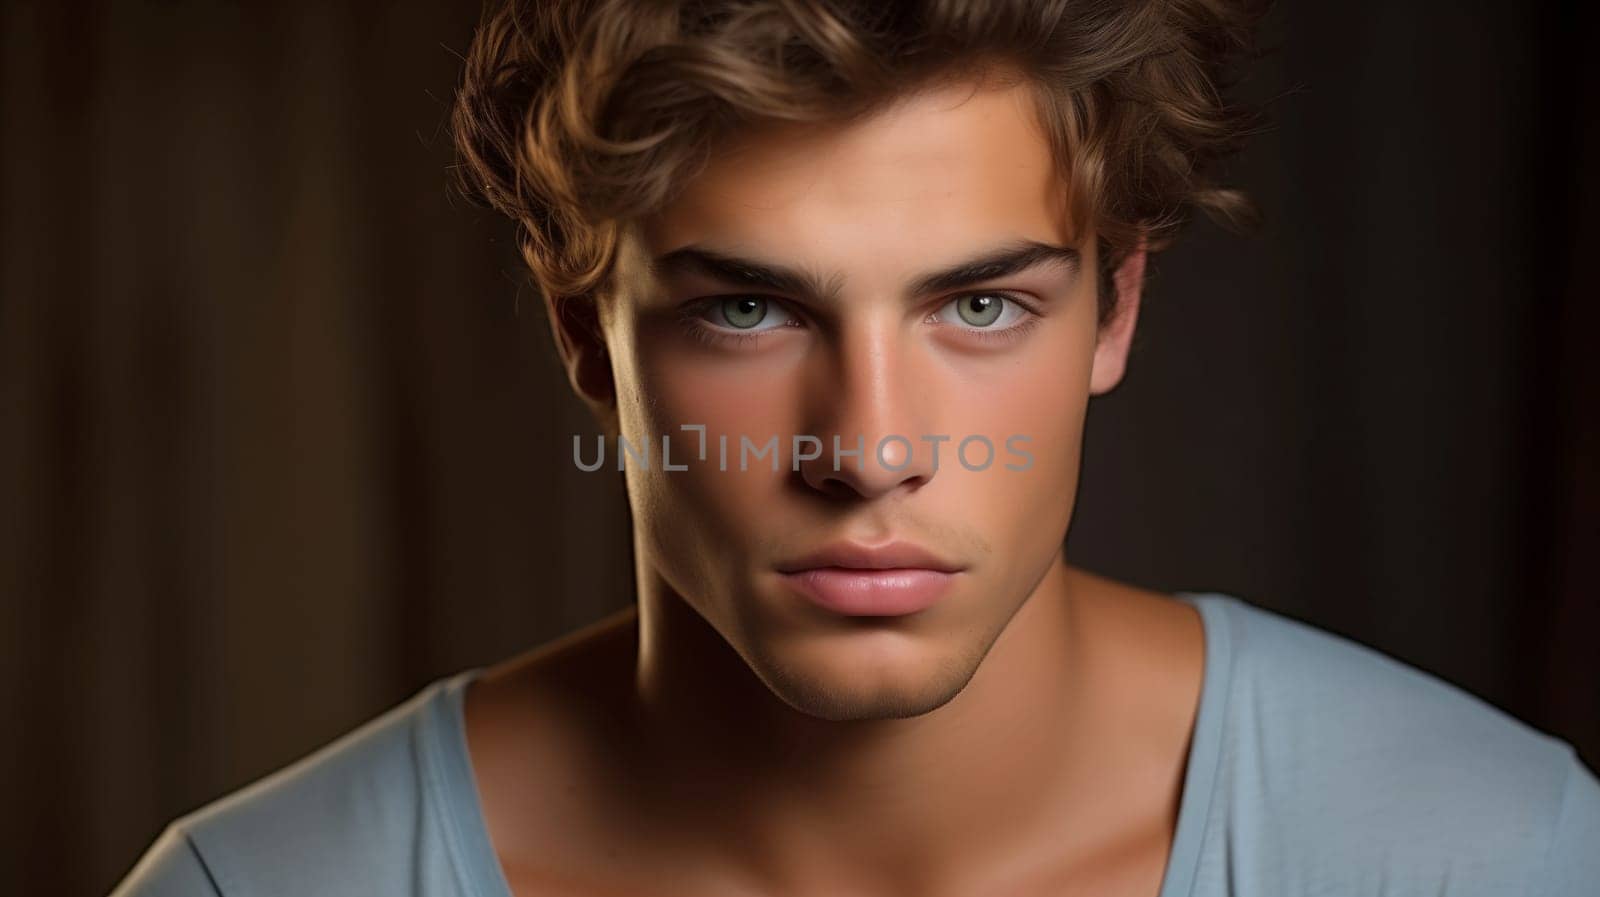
{"points": [[353, 817], [1358, 767], [1315, 687]]}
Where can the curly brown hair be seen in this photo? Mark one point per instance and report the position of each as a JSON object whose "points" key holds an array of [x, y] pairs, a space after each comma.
{"points": [[575, 116]]}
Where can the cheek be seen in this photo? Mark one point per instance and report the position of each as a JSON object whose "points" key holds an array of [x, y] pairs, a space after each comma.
{"points": [[1039, 389], [703, 511], [1040, 396], [678, 383]]}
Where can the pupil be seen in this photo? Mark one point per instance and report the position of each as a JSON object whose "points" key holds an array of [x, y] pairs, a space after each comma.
{"points": [[980, 309], [744, 312]]}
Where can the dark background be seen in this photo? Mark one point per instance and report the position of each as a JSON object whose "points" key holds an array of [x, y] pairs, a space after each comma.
{"points": [[282, 438]]}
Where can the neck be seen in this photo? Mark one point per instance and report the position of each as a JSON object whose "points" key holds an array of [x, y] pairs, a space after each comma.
{"points": [[799, 804]]}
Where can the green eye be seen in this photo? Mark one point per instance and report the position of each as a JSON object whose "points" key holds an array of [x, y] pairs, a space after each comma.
{"points": [[744, 312], [980, 309]]}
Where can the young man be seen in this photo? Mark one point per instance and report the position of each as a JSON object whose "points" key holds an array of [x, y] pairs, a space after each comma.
{"points": [[858, 663]]}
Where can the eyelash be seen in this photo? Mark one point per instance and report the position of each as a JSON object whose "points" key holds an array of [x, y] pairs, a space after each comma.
{"points": [[708, 334], [1010, 334]]}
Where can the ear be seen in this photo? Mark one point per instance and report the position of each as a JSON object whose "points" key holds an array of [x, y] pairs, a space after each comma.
{"points": [[580, 340], [1116, 336]]}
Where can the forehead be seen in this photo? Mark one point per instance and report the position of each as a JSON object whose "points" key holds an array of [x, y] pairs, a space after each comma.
{"points": [[938, 171]]}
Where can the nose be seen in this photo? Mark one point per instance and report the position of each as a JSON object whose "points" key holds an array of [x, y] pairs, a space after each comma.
{"points": [[866, 397]]}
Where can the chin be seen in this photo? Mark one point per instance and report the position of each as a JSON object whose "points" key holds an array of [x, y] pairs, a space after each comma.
{"points": [[866, 675]]}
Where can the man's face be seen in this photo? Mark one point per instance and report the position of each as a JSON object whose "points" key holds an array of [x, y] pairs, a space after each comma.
{"points": [[868, 348]]}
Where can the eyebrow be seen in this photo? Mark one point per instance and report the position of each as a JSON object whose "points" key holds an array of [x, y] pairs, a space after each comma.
{"points": [[1004, 261]]}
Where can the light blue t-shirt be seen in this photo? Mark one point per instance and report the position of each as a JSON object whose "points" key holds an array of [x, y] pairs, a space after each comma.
{"points": [[1318, 767]]}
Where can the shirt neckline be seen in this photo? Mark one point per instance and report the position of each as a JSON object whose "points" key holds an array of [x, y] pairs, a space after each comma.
{"points": [[1205, 745], [448, 764]]}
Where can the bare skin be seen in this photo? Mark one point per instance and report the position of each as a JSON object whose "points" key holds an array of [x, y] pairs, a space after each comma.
{"points": [[1026, 734], [579, 800]]}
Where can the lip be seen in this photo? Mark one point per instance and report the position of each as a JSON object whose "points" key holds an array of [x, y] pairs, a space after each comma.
{"points": [[891, 592], [888, 580], [896, 555]]}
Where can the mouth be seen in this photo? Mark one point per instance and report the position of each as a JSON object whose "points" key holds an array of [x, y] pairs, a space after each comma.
{"points": [[894, 579], [871, 593], [896, 555]]}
